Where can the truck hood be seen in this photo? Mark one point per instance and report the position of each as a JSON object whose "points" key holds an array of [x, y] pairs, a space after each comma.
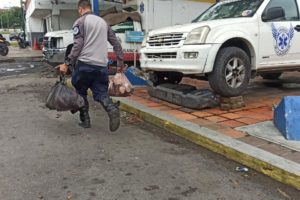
{"points": [[186, 28], [62, 33]]}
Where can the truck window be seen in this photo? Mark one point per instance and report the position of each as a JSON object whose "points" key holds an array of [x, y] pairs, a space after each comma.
{"points": [[230, 9], [289, 7], [123, 27]]}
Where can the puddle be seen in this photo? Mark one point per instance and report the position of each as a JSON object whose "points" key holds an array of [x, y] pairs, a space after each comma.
{"points": [[10, 70], [7, 69]]}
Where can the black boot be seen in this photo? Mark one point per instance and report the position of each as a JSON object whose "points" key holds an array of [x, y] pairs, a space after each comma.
{"points": [[114, 118], [113, 112], [81, 115], [84, 117], [86, 107]]}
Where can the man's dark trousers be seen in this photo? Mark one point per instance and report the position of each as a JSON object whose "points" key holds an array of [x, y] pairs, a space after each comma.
{"points": [[96, 78]]}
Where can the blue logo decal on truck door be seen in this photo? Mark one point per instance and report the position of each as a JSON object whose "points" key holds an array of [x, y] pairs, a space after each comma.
{"points": [[282, 39]]}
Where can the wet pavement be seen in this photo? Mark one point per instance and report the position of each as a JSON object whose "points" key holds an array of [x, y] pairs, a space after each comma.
{"points": [[45, 155], [61, 161], [19, 68], [260, 99]]}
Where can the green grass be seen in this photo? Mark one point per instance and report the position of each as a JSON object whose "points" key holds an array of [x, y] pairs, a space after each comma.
{"points": [[14, 44]]}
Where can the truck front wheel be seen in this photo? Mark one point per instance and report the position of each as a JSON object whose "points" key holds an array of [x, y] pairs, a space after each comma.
{"points": [[231, 73], [158, 78]]}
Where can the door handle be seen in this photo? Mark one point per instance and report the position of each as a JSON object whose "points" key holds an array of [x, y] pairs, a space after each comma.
{"points": [[297, 28]]}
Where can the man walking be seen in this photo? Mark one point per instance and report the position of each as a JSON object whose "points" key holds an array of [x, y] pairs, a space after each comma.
{"points": [[89, 55]]}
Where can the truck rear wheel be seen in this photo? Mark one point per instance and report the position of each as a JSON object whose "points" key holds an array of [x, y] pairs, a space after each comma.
{"points": [[231, 73], [271, 76]]}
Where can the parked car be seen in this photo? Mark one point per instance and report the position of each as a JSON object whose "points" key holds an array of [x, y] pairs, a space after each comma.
{"points": [[13, 36], [229, 44], [3, 46]]}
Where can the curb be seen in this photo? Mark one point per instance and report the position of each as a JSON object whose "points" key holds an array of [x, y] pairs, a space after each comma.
{"points": [[276, 167]]}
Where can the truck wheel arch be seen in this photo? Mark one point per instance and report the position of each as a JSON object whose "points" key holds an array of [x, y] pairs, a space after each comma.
{"points": [[243, 44], [238, 42]]}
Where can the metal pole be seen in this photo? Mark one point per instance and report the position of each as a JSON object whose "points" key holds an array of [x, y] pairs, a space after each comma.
{"points": [[147, 15], [23, 19], [8, 16], [95, 4], [134, 55], [1, 22], [8, 20]]}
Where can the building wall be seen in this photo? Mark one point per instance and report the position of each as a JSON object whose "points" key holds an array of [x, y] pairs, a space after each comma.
{"points": [[42, 15], [161, 13], [67, 19], [34, 29]]}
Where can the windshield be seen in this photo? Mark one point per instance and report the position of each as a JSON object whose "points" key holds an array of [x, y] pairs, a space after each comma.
{"points": [[123, 27], [230, 9]]}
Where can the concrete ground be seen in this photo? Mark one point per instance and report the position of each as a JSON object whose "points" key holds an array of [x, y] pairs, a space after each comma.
{"points": [[260, 98], [45, 155], [21, 55]]}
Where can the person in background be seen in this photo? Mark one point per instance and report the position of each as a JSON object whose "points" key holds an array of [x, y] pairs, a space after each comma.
{"points": [[89, 56]]}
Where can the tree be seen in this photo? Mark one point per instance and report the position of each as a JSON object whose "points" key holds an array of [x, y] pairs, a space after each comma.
{"points": [[11, 18]]}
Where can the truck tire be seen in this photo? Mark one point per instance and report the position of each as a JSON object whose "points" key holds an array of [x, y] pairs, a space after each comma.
{"points": [[156, 78], [231, 73], [174, 77], [271, 76]]}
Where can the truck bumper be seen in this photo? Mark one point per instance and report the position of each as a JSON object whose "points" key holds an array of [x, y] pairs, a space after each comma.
{"points": [[54, 55], [187, 59]]}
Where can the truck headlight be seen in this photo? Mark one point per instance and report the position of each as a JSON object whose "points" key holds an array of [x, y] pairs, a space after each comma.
{"points": [[145, 40], [197, 35]]}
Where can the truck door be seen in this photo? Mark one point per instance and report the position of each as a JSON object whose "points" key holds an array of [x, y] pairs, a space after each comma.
{"points": [[128, 48], [280, 38]]}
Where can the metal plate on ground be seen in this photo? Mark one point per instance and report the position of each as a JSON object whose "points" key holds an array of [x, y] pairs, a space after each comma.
{"points": [[184, 95], [267, 131]]}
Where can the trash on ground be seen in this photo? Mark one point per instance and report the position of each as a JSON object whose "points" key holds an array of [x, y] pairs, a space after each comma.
{"points": [[133, 119], [241, 169], [283, 193]]}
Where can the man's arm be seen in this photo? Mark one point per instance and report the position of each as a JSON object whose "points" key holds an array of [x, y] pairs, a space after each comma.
{"points": [[78, 41], [112, 39]]}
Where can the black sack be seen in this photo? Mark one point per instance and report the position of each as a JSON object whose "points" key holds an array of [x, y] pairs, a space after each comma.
{"points": [[63, 98]]}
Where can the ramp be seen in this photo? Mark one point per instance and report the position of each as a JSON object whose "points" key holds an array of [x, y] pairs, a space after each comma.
{"points": [[184, 95]]}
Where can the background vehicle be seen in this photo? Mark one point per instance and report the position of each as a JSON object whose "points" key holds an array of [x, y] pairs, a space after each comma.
{"points": [[228, 44], [141, 17], [13, 36], [4, 40], [21, 40], [3, 46]]}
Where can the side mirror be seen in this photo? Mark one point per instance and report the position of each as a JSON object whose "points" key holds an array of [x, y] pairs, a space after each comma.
{"points": [[273, 13]]}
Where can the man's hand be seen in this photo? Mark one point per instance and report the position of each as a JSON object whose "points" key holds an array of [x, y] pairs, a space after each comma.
{"points": [[63, 68], [122, 68]]}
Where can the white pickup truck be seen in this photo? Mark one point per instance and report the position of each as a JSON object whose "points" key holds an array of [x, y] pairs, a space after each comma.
{"points": [[58, 44], [231, 42]]}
